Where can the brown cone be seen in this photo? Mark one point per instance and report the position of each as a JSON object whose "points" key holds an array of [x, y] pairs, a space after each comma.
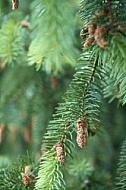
{"points": [[15, 4], [81, 134], [60, 151], [99, 32], [25, 179]]}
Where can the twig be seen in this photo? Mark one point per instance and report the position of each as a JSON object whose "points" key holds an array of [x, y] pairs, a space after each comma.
{"points": [[110, 15], [64, 133]]}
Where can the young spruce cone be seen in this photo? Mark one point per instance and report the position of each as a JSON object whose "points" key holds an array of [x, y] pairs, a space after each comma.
{"points": [[26, 180], [89, 41], [91, 31], [83, 33], [27, 176], [15, 4], [60, 151], [81, 133], [99, 32]]}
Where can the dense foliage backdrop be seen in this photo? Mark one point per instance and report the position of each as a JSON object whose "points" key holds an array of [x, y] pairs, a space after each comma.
{"points": [[40, 46]]}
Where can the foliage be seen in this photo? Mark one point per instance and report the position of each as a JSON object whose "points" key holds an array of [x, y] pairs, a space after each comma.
{"points": [[55, 34], [121, 171], [10, 178], [20, 104], [11, 42], [83, 100], [30, 100]]}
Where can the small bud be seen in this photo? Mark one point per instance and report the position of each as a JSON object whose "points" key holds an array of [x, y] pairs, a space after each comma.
{"points": [[83, 33], [25, 179], [25, 24], [15, 4]]}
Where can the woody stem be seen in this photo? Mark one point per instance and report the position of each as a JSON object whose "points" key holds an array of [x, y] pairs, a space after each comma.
{"points": [[110, 15]]}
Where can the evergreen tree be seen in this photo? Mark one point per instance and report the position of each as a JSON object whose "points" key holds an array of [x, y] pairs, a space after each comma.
{"points": [[46, 35]]}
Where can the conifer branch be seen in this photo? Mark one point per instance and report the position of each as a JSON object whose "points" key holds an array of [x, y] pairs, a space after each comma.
{"points": [[121, 171], [11, 177], [55, 34], [82, 99], [88, 84], [12, 42], [50, 176], [115, 61], [58, 139]]}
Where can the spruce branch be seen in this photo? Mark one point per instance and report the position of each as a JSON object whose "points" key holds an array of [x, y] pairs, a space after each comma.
{"points": [[115, 62], [11, 177], [104, 19], [120, 183], [50, 176], [55, 33], [12, 42], [109, 33], [81, 100]]}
